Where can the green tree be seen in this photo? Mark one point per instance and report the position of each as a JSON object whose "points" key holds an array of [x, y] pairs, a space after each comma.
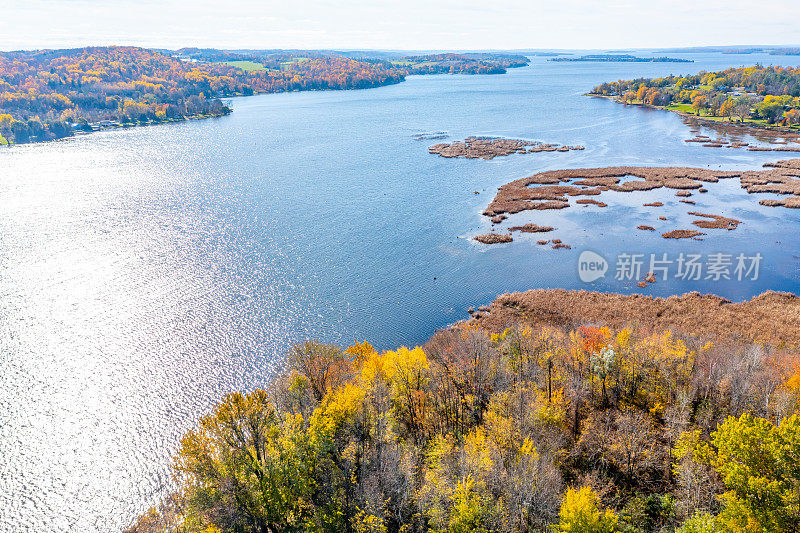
{"points": [[700, 523], [469, 513], [760, 466], [771, 111], [242, 471]]}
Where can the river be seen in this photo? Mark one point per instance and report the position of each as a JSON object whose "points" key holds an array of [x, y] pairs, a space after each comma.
{"points": [[146, 272]]}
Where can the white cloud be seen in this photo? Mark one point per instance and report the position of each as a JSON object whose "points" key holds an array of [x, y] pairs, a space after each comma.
{"points": [[397, 24]]}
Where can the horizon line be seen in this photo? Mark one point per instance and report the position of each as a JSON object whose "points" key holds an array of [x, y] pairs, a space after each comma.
{"points": [[675, 49]]}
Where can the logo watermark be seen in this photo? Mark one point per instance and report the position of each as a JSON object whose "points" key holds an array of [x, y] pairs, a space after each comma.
{"points": [[591, 266], [688, 267]]}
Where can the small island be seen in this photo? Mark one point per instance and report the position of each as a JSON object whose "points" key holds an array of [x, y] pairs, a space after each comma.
{"points": [[491, 147], [459, 63], [493, 238], [620, 58]]}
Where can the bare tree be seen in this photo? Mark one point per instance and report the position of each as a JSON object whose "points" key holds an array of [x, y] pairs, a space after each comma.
{"points": [[324, 365]]}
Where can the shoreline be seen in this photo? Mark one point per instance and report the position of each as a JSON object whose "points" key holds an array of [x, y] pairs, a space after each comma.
{"points": [[80, 133], [121, 126], [772, 317], [706, 120], [551, 376], [129, 125], [388, 83]]}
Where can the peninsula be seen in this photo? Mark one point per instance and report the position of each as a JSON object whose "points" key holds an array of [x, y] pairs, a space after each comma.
{"points": [[546, 410], [758, 97], [50, 94]]}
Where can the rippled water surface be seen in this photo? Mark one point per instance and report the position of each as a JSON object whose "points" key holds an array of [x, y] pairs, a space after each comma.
{"points": [[146, 272]]}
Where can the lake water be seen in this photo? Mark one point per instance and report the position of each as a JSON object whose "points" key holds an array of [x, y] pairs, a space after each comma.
{"points": [[146, 272]]}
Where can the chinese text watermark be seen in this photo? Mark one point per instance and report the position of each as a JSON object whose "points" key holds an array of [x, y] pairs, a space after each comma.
{"points": [[683, 266]]}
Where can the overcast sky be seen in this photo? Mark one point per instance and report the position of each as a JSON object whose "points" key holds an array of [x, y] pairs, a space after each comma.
{"points": [[398, 24]]}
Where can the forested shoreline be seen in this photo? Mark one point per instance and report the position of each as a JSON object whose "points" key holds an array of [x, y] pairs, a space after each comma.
{"points": [[528, 417], [51, 94], [757, 96]]}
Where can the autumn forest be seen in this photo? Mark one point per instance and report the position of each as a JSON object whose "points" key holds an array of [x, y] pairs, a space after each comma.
{"points": [[49, 94], [535, 425], [758, 95]]}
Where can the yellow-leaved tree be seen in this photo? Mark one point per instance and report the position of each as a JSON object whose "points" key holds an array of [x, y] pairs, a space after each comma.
{"points": [[581, 513], [759, 463]]}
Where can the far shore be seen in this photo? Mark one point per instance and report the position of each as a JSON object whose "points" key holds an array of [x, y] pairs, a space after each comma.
{"points": [[711, 121], [96, 127]]}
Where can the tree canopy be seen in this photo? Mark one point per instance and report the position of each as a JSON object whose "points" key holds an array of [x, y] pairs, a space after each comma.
{"points": [[48, 94], [521, 430], [771, 94]]}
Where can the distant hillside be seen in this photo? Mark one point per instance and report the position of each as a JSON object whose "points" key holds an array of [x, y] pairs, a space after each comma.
{"points": [[49, 94]]}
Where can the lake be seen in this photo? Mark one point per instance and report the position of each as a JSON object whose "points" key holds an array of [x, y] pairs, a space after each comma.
{"points": [[146, 272]]}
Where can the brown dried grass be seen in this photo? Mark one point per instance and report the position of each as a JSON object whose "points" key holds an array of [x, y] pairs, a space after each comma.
{"points": [[681, 234], [716, 222], [489, 148], [548, 190], [493, 238], [772, 317], [552, 189], [591, 201], [531, 228]]}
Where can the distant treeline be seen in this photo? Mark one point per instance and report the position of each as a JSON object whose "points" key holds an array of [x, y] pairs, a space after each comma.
{"points": [[49, 94], [446, 63], [623, 58], [52, 93], [767, 94], [737, 50], [460, 63]]}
